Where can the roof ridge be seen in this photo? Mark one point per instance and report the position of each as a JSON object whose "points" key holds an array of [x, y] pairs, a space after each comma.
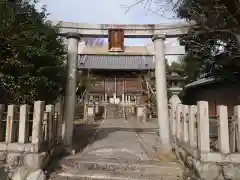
{"points": [[123, 62]]}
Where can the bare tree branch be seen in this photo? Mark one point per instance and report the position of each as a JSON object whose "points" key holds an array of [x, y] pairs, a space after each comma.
{"points": [[158, 7]]}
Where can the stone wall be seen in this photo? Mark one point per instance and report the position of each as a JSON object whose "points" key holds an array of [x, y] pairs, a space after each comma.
{"points": [[29, 135], [190, 135]]}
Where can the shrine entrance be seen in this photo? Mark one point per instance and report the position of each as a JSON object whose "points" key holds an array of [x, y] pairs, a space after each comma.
{"points": [[116, 87], [122, 89], [79, 58]]}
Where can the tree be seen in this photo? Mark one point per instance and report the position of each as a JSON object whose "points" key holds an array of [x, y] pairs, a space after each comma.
{"points": [[187, 66], [177, 67], [214, 43], [32, 55], [167, 66], [161, 8]]}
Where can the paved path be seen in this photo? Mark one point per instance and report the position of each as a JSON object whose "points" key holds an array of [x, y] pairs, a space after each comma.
{"points": [[122, 139], [119, 150]]}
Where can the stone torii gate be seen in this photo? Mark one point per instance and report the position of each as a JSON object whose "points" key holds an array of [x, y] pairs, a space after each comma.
{"points": [[158, 32]]}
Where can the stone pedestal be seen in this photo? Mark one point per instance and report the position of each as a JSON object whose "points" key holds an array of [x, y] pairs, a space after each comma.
{"points": [[123, 98], [134, 110], [142, 113], [91, 110], [97, 108], [140, 110], [105, 98]]}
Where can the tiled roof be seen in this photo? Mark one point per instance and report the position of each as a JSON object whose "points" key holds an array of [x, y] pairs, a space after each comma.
{"points": [[174, 77], [124, 62], [200, 82], [128, 50]]}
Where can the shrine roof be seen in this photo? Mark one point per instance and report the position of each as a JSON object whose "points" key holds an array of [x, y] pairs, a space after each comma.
{"points": [[132, 50], [128, 50], [201, 82], [118, 62]]}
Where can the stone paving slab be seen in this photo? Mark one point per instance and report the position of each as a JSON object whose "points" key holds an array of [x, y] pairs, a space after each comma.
{"points": [[115, 138], [147, 167], [114, 175], [119, 150]]}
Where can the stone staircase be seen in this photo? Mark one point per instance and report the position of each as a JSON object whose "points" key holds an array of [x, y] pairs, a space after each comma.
{"points": [[119, 150], [79, 111], [114, 111], [116, 169]]}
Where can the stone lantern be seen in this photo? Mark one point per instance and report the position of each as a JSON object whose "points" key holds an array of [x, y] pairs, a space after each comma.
{"points": [[175, 83]]}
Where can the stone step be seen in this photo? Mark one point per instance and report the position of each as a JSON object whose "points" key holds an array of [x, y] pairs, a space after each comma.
{"points": [[136, 166], [78, 117], [114, 117], [114, 113], [73, 174]]}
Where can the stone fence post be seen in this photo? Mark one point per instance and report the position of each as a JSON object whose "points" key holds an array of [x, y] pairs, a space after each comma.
{"points": [[192, 126], [23, 124], [1, 123], [38, 113], [178, 121], [203, 126], [173, 102], [50, 124], [223, 132], [185, 123], [11, 115], [237, 118]]}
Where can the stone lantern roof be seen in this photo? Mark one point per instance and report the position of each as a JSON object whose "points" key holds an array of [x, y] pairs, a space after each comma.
{"points": [[175, 77]]}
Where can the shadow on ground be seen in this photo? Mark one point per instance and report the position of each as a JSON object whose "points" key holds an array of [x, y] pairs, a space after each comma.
{"points": [[85, 134], [82, 135]]}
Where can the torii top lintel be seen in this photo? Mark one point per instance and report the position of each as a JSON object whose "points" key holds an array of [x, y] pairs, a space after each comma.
{"points": [[130, 30]]}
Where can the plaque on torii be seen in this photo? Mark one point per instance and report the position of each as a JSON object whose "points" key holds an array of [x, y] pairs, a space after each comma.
{"points": [[115, 40]]}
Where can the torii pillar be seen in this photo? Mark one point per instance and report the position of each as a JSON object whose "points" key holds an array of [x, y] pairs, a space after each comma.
{"points": [[70, 95], [161, 91]]}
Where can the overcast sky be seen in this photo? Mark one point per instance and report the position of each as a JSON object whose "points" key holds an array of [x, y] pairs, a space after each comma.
{"points": [[110, 12]]}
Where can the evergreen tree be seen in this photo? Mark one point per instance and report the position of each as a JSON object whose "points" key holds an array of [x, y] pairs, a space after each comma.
{"points": [[32, 55]]}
